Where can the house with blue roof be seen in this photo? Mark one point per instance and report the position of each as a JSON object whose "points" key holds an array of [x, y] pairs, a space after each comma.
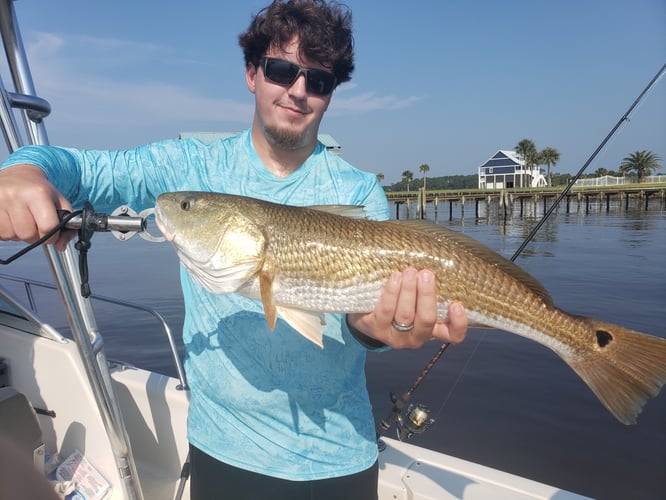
{"points": [[506, 169]]}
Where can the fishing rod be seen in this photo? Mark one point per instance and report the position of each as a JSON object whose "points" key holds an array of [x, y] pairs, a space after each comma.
{"points": [[623, 118], [418, 417]]}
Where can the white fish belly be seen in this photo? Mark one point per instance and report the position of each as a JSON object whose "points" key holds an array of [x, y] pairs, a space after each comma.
{"points": [[304, 294]]}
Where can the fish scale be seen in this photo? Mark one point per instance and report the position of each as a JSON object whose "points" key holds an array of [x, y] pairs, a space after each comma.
{"points": [[302, 262], [332, 264]]}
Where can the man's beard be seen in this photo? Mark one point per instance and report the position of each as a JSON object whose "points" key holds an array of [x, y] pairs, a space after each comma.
{"points": [[284, 138]]}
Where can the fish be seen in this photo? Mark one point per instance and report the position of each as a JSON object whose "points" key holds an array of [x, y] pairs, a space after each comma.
{"points": [[302, 262]]}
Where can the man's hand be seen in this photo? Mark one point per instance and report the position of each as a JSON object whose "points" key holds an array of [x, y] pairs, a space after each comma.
{"points": [[28, 206], [410, 298]]}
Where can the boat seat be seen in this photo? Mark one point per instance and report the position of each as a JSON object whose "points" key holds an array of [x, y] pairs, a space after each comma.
{"points": [[18, 422]]}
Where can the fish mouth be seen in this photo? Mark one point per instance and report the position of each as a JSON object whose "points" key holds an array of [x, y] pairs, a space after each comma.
{"points": [[167, 230]]}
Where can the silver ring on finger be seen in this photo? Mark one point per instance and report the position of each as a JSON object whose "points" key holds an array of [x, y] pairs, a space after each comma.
{"points": [[402, 327]]}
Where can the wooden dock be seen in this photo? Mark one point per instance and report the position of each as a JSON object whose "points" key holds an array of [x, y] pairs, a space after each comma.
{"points": [[507, 202]]}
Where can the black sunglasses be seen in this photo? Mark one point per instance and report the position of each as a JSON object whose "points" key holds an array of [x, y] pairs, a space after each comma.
{"points": [[317, 81]]}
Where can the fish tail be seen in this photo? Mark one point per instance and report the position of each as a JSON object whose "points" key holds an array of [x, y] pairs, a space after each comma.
{"points": [[624, 369]]}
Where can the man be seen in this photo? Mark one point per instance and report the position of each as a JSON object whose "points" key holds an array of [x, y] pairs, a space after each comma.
{"points": [[271, 414]]}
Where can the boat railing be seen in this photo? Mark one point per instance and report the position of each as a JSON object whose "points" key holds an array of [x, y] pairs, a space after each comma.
{"points": [[64, 265], [12, 306], [27, 284]]}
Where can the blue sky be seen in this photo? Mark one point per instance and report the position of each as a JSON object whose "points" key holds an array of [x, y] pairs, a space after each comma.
{"points": [[446, 83]]}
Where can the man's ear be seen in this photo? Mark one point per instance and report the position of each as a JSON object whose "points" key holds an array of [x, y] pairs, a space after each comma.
{"points": [[251, 77]]}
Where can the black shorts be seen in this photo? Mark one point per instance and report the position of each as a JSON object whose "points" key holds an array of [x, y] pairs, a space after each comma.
{"points": [[214, 480]]}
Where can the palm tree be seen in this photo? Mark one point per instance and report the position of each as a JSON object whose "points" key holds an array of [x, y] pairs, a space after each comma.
{"points": [[407, 176], [549, 156], [423, 169], [641, 162], [527, 150]]}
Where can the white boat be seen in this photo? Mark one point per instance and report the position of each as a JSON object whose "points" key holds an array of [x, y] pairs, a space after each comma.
{"points": [[119, 429]]}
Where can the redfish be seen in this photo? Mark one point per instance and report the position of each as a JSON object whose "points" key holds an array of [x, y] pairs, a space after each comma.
{"points": [[302, 262]]}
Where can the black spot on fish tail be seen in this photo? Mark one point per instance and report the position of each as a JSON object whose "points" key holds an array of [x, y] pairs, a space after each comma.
{"points": [[603, 338], [623, 367]]}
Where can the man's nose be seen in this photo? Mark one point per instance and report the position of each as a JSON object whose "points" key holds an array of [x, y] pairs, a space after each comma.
{"points": [[299, 87]]}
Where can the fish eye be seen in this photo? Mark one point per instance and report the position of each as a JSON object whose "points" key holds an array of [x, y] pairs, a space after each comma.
{"points": [[186, 205]]}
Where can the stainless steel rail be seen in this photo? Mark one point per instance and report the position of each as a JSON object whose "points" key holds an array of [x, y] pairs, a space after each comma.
{"points": [[63, 264], [44, 329], [30, 312]]}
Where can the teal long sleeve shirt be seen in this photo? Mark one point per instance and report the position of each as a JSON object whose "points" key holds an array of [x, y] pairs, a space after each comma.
{"points": [[269, 402]]}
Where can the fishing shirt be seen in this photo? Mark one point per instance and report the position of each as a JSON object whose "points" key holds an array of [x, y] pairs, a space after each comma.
{"points": [[267, 401]]}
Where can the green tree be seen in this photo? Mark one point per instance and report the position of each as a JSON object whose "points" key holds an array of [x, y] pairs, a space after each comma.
{"points": [[549, 156], [641, 162], [408, 176], [424, 168]]}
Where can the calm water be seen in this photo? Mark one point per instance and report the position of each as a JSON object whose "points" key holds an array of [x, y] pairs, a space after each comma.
{"points": [[499, 400]]}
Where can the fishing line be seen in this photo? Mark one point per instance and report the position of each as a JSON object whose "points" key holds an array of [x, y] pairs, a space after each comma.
{"points": [[460, 375]]}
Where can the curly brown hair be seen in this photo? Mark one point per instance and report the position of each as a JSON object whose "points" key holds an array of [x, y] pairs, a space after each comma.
{"points": [[324, 31]]}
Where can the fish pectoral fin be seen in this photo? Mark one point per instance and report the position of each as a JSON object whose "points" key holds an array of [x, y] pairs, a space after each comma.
{"points": [[266, 289], [307, 323]]}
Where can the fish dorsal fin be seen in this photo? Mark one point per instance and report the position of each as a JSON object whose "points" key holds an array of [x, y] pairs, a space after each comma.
{"points": [[266, 290], [351, 211], [441, 233], [307, 323]]}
